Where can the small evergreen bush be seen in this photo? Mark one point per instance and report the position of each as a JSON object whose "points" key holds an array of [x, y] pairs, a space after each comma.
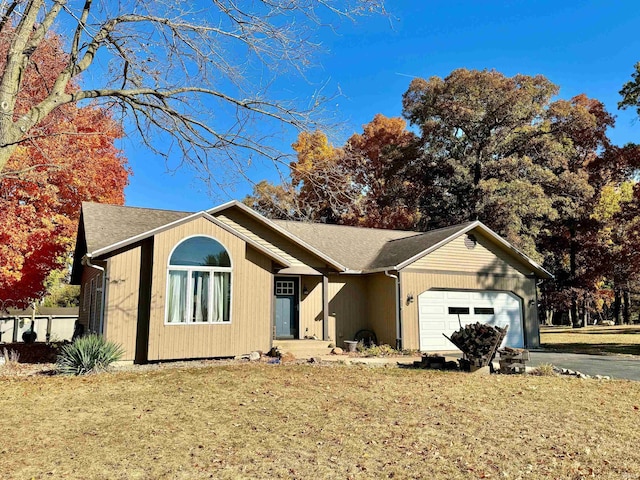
{"points": [[88, 354]]}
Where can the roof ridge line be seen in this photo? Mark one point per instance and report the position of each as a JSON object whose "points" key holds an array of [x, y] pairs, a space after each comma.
{"points": [[456, 226], [375, 229], [103, 204]]}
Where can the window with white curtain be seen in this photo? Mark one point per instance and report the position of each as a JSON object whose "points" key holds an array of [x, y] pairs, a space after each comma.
{"points": [[199, 283]]}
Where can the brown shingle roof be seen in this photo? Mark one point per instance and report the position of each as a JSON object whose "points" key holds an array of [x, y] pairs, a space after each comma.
{"points": [[358, 249], [355, 247], [105, 225]]}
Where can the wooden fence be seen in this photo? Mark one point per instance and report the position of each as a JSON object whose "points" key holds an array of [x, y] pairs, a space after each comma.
{"points": [[16, 326]]}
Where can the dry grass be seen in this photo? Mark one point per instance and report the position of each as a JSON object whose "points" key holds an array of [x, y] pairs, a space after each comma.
{"points": [[10, 361], [620, 339], [304, 421]]}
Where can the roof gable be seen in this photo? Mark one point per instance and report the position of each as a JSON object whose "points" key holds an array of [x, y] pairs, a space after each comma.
{"points": [[516, 256], [398, 253], [106, 225], [97, 249]]}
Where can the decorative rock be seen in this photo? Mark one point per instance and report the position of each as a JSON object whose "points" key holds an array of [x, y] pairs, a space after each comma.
{"points": [[337, 351], [583, 376], [254, 356]]}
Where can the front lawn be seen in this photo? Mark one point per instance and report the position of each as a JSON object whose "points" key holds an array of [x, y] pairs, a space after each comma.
{"points": [[316, 422], [619, 339]]}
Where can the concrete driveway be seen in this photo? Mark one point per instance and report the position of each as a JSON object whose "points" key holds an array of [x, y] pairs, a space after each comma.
{"points": [[614, 366]]}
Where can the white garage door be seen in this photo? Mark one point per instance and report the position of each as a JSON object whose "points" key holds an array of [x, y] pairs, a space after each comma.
{"points": [[442, 311]]}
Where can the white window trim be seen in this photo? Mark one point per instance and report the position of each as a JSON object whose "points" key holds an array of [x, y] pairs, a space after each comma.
{"points": [[190, 270]]}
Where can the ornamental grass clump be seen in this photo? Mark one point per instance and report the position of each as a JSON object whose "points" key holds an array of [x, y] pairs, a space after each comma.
{"points": [[376, 350], [10, 360], [544, 370], [88, 354]]}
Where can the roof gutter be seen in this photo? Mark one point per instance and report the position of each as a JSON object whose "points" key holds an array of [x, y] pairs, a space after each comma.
{"points": [[86, 260], [397, 296]]}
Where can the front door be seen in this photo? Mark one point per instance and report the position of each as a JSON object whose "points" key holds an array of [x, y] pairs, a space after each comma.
{"points": [[286, 314]]}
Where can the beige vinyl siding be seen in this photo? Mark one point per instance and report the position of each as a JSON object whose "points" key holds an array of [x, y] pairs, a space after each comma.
{"points": [[415, 282], [251, 291], [269, 238], [347, 307], [311, 307], [355, 302], [121, 314], [88, 297], [381, 307], [485, 257]]}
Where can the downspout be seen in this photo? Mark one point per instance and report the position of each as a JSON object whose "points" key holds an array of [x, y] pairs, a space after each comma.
{"points": [[86, 260], [397, 298]]}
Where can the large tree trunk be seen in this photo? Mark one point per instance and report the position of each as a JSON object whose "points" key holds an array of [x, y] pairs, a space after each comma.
{"points": [[558, 317], [616, 306], [626, 314], [583, 313], [575, 321]]}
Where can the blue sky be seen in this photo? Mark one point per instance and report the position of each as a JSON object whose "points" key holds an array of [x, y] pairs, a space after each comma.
{"points": [[583, 46]]}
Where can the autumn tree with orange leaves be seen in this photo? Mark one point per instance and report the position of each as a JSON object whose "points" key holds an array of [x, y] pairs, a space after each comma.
{"points": [[377, 160], [539, 171], [70, 158], [359, 183]]}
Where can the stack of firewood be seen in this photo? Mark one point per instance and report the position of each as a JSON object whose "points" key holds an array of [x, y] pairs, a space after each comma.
{"points": [[513, 360], [478, 342]]}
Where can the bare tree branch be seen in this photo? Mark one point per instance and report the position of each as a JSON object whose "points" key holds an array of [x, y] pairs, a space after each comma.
{"points": [[201, 80]]}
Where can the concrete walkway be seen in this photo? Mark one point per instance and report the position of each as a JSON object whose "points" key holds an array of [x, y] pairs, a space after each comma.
{"points": [[614, 366]]}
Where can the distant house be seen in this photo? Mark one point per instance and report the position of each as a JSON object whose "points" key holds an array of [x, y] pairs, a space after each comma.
{"points": [[227, 281]]}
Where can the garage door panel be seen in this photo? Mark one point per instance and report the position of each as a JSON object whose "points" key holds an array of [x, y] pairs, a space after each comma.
{"points": [[439, 343], [432, 309], [436, 326], [457, 295], [435, 319]]}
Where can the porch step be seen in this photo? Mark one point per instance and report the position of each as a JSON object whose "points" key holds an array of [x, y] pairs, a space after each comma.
{"points": [[303, 348]]}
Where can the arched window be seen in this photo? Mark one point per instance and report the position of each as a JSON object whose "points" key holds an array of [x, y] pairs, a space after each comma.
{"points": [[199, 282]]}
